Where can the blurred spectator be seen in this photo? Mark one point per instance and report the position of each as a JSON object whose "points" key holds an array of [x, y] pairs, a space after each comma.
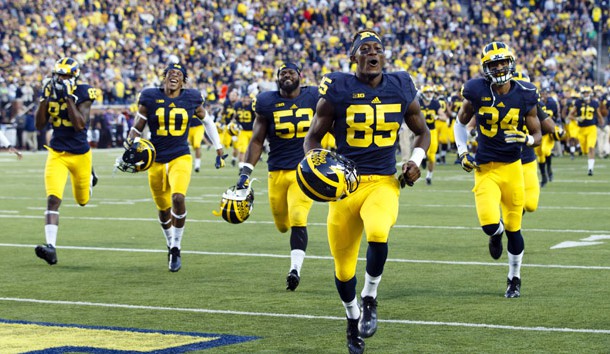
{"points": [[30, 133]]}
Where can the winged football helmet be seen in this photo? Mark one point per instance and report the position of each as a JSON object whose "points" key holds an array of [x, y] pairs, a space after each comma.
{"points": [[494, 52], [236, 204], [427, 92], [67, 66], [139, 157], [326, 176]]}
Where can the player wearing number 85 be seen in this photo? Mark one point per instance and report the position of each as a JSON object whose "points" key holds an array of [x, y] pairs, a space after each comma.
{"points": [[366, 111], [167, 111]]}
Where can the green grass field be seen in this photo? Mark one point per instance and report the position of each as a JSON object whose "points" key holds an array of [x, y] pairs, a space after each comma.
{"points": [[441, 292]]}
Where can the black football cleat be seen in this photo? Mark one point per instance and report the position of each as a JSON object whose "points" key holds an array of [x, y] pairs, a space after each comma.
{"points": [[46, 252], [513, 288], [495, 246], [292, 280], [590, 173], [93, 178], [429, 181], [355, 343], [175, 262], [197, 169], [367, 325]]}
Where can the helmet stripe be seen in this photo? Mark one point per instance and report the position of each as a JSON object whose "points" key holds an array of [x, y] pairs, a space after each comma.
{"points": [[309, 188]]}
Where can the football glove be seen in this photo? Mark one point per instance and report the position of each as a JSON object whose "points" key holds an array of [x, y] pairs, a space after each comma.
{"points": [[558, 134], [468, 162], [243, 181], [47, 89], [65, 88], [128, 142], [517, 136], [220, 161]]}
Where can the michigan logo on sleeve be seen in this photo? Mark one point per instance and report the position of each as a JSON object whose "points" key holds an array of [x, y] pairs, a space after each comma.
{"points": [[51, 338]]}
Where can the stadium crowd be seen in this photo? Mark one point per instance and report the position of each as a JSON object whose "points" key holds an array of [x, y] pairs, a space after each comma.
{"points": [[123, 45]]}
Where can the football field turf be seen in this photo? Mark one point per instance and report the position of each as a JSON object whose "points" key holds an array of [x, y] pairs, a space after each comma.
{"points": [[441, 292]]}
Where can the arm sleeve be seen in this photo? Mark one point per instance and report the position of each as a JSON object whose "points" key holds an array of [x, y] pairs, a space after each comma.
{"points": [[210, 127], [4, 142], [461, 137]]}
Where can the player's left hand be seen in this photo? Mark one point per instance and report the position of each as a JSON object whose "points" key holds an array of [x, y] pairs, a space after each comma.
{"points": [[410, 174], [220, 161], [517, 136], [558, 134]]}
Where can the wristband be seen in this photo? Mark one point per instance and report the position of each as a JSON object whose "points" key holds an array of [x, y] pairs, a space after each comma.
{"points": [[245, 168], [417, 156], [529, 140]]}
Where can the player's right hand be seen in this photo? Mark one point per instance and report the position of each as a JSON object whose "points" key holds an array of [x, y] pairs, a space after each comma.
{"points": [[47, 88], [243, 182], [468, 162]]}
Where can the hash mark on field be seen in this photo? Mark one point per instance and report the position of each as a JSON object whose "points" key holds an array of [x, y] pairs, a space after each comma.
{"points": [[286, 315]]}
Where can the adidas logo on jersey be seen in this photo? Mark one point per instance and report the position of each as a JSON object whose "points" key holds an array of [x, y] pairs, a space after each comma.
{"points": [[294, 106], [172, 105], [376, 100], [500, 105]]}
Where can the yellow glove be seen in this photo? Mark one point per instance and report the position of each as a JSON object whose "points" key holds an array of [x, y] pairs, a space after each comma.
{"points": [[517, 136], [468, 162]]}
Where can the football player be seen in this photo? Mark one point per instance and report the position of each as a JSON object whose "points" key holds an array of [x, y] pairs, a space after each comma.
{"points": [[167, 111], [586, 113], [435, 116], [603, 131], [196, 132], [228, 123], [529, 155], [544, 155], [443, 124], [366, 110], [503, 108], [65, 103], [244, 114], [283, 118]]}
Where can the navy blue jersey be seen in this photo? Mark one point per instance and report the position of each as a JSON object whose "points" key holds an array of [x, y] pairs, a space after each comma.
{"points": [[195, 122], [244, 115], [430, 111], [496, 114], [288, 122], [65, 138], [367, 118], [551, 107], [586, 112], [168, 120], [228, 111]]}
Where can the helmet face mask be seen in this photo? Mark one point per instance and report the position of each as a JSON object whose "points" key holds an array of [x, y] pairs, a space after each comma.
{"points": [[326, 176], [494, 53], [585, 93], [139, 157], [236, 204]]}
